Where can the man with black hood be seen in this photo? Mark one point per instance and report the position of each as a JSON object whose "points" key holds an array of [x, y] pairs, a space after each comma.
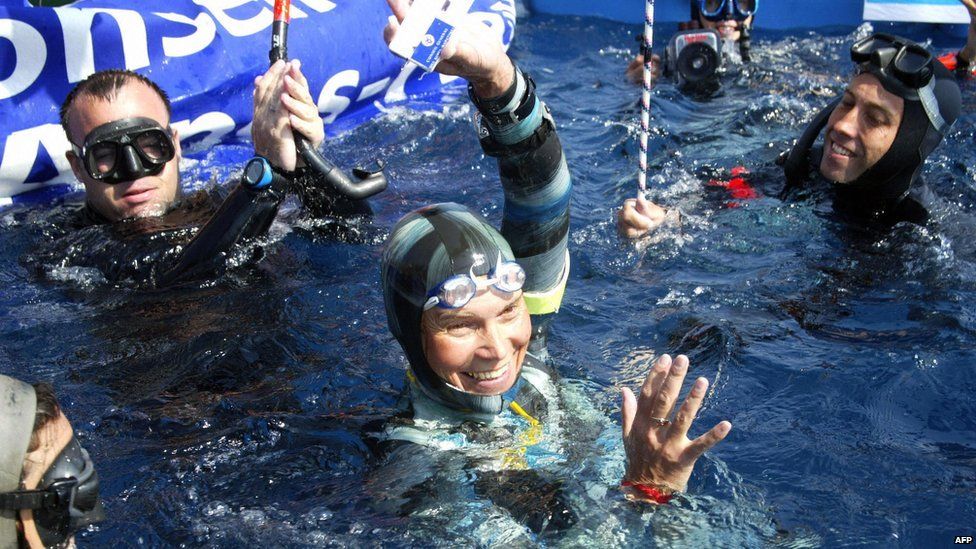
{"points": [[877, 134]]}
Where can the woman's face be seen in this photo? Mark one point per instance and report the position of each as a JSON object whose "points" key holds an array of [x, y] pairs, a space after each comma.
{"points": [[480, 347]]}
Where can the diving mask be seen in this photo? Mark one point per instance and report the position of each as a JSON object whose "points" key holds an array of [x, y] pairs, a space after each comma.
{"points": [[904, 68], [895, 57], [66, 499], [722, 10], [125, 150]]}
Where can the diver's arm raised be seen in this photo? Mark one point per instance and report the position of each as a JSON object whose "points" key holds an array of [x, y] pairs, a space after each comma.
{"points": [[516, 128], [248, 211], [281, 103]]}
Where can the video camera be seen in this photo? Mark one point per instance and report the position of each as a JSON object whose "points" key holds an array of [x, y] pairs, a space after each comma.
{"points": [[694, 57]]}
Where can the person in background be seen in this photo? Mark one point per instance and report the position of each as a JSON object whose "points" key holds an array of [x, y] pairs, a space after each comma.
{"points": [[127, 155], [963, 62], [896, 110], [48, 484], [731, 18]]}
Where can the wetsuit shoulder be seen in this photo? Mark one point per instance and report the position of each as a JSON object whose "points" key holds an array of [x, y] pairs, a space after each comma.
{"points": [[914, 208]]}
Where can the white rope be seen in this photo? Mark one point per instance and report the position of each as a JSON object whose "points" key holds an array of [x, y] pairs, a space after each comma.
{"points": [[646, 94]]}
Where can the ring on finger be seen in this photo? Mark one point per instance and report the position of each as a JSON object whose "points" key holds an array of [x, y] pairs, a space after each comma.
{"points": [[661, 422]]}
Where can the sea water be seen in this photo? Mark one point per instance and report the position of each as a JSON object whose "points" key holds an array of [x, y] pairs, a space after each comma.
{"points": [[239, 412]]}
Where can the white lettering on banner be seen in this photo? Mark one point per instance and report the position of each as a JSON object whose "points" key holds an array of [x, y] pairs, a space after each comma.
{"points": [[203, 34], [79, 54], [331, 104], [30, 53], [237, 27], [245, 132], [506, 8], [20, 152], [373, 89], [217, 124]]}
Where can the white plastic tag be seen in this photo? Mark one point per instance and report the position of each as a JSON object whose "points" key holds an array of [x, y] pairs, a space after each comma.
{"points": [[426, 29]]}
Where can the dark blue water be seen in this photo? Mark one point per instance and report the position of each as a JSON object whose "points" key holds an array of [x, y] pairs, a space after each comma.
{"points": [[236, 413]]}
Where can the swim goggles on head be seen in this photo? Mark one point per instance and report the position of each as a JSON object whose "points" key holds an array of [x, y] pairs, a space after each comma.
{"points": [[458, 290], [68, 500], [907, 68], [721, 10], [125, 150]]}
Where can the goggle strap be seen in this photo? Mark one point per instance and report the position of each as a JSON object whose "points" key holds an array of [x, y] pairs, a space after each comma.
{"points": [[930, 104], [29, 499]]}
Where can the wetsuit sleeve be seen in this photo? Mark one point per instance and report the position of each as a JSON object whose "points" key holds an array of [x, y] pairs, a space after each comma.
{"points": [[245, 213], [321, 200], [518, 130]]}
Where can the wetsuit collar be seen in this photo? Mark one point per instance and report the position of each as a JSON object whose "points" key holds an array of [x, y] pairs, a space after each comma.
{"points": [[526, 398]]}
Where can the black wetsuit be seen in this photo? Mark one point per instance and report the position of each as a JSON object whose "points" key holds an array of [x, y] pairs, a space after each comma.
{"points": [[191, 241], [867, 204]]}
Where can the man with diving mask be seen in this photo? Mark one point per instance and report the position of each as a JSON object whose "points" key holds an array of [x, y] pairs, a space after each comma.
{"points": [[717, 31], [48, 484], [127, 155]]}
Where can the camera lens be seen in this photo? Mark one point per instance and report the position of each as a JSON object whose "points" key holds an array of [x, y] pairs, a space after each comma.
{"points": [[697, 62]]}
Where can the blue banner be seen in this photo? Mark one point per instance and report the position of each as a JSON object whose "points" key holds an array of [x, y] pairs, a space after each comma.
{"points": [[205, 54], [916, 11]]}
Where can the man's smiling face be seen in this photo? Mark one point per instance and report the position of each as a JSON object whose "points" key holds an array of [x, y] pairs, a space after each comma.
{"points": [[860, 130]]}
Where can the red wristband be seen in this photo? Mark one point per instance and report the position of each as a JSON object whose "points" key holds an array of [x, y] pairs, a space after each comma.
{"points": [[650, 492]]}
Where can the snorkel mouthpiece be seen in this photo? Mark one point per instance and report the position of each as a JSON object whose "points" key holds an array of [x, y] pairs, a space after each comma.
{"points": [[363, 183]]}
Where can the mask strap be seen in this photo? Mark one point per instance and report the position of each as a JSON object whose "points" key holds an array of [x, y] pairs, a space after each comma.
{"points": [[930, 104], [30, 499]]}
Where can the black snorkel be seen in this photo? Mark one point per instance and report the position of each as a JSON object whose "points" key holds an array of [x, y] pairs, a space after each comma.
{"points": [[364, 183]]}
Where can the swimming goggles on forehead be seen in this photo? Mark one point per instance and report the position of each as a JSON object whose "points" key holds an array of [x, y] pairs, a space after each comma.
{"points": [[68, 500], [125, 150], [904, 64], [721, 10], [458, 290]]}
